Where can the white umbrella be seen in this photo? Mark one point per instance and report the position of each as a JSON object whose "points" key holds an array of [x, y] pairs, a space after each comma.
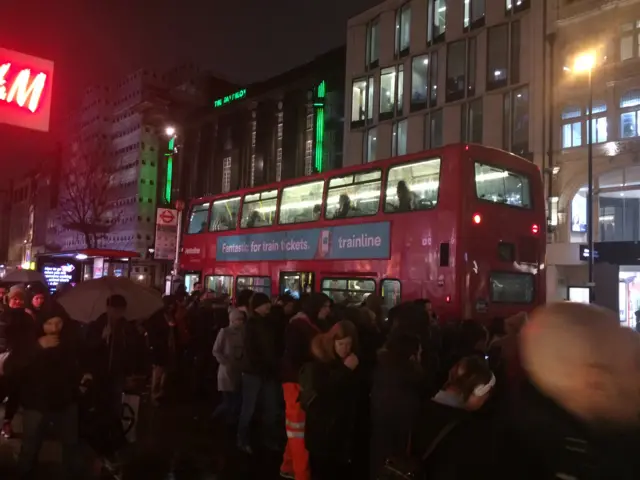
{"points": [[88, 300], [24, 276]]}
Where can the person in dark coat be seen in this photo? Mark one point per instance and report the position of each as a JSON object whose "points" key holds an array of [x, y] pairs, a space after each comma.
{"points": [[461, 438], [49, 369], [328, 395], [18, 329], [115, 352], [260, 377], [396, 395]]}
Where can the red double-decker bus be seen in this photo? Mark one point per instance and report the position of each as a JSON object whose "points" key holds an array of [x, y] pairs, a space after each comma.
{"points": [[462, 225]]}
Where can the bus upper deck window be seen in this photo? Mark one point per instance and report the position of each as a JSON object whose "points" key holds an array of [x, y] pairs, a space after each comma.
{"points": [[198, 218], [354, 195], [413, 186], [224, 214], [259, 209], [301, 203], [498, 185]]}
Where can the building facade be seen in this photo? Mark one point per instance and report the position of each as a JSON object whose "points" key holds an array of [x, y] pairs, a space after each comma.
{"points": [[611, 32], [424, 73], [286, 127], [121, 129]]}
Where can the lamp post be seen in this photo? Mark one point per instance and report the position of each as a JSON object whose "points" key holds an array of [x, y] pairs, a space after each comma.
{"points": [[584, 64]]}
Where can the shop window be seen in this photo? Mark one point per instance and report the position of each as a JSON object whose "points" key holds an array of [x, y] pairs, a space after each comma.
{"points": [[198, 218], [224, 214], [413, 186], [259, 209], [301, 203], [355, 195]]}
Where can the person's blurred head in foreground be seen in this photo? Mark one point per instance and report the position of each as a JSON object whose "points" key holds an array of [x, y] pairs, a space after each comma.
{"points": [[579, 356], [116, 307]]}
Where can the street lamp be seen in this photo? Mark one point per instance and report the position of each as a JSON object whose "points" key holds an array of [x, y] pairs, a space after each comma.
{"points": [[170, 131], [584, 63]]}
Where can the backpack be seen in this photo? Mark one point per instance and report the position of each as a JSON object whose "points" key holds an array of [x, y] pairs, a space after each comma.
{"points": [[407, 467]]}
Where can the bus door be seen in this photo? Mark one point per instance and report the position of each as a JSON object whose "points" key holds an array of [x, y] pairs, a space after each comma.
{"points": [[296, 283]]}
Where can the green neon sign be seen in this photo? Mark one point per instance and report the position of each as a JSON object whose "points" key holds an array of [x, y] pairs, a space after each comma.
{"points": [[319, 106], [167, 186], [239, 95]]}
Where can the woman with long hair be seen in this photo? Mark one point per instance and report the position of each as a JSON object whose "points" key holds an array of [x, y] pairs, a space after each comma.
{"points": [[328, 386]]}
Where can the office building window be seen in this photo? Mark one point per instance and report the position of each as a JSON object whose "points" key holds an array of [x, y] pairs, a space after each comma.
{"points": [[514, 67], [362, 101], [456, 70], [498, 57], [515, 6], [373, 43], [424, 81], [437, 21], [630, 114], [399, 138], [471, 66], [226, 174], [474, 11], [433, 137], [516, 121], [629, 40], [400, 89], [471, 122], [599, 127], [403, 30], [571, 127], [369, 149], [391, 91]]}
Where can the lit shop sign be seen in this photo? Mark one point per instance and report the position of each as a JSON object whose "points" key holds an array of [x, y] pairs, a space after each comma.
{"points": [[25, 90], [239, 95], [584, 253]]}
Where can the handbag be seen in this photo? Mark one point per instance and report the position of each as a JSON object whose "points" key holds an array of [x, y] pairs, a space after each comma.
{"points": [[408, 467]]}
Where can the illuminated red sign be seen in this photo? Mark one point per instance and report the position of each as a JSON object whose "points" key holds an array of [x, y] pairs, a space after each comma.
{"points": [[25, 90]]}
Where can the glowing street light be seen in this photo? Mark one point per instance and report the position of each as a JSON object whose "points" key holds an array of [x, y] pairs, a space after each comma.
{"points": [[170, 131], [584, 63]]}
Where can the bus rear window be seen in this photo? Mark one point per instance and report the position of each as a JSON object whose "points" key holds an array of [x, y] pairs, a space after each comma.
{"points": [[511, 287], [198, 218], [497, 185], [413, 186]]}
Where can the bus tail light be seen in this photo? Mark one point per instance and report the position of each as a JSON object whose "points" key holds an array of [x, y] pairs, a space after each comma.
{"points": [[477, 218], [535, 229], [448, 298]]}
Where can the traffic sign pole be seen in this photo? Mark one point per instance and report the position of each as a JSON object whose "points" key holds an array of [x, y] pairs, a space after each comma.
{"points": [[176, 263]]}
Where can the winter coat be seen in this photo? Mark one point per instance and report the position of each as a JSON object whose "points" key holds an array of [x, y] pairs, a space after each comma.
{"points": [[229, 351], [260, 348], [297, 349], [396, 396], [330, 391]]}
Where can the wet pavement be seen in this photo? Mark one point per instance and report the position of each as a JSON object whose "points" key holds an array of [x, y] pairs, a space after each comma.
{"points": [[174, 442]]}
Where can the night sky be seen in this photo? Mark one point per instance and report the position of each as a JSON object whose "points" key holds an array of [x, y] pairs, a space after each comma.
{"points": [[94, 40]]}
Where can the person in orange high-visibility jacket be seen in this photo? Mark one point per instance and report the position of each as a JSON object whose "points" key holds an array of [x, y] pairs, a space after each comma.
{"points": [[298, 335]]}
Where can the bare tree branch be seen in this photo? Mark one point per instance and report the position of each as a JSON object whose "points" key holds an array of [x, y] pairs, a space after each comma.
{"points": [[84, 205]]}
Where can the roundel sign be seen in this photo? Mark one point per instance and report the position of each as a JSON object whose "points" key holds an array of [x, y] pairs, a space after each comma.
{"points": [[167, 216]]}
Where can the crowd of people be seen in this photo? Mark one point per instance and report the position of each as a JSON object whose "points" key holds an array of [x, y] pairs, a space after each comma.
{"points": [[339, 391]]}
